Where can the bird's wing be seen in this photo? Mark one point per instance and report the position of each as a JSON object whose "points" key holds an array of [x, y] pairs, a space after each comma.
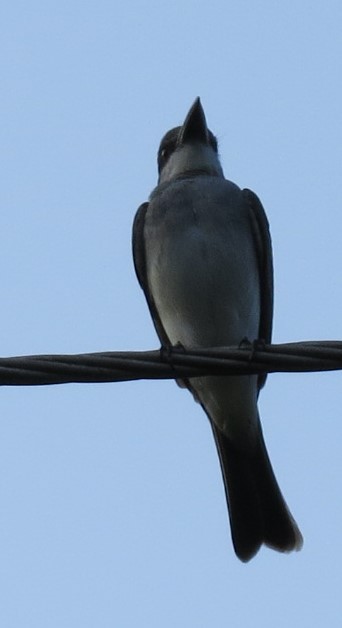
{"points": [[139, 257], [262, 239]]}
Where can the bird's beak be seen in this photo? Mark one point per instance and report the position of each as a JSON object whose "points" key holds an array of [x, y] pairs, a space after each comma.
{"points": [[194, 128]]}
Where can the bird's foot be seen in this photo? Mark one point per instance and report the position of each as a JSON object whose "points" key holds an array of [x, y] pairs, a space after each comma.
{"points": [[256, 345]]}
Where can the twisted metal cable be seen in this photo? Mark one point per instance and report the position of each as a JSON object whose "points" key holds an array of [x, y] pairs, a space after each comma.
{"points": [[119, 366]]}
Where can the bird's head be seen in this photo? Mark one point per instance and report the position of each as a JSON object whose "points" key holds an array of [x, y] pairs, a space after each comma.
{"points": [[190, 149]]}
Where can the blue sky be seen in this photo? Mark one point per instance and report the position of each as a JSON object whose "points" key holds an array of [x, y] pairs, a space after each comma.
{"points": [[112, 503]]}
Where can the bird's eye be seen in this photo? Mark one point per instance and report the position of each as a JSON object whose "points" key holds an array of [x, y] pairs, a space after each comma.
{"points": [[165, 154]]}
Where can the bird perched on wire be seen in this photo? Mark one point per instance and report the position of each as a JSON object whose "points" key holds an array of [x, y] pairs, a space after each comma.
{"points": [[202, 254]]}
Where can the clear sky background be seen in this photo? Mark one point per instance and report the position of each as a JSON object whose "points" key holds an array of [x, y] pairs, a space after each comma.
{"points": [[112, 510]]}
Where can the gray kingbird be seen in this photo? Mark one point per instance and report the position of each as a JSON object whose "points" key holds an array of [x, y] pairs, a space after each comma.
{"points": [[203, 257]]}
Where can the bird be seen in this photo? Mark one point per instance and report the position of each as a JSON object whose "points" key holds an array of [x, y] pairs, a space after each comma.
{"points": [[203, 256]]}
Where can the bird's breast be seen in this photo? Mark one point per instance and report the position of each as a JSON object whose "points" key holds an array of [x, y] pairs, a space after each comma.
{"points": [[201, 263]]}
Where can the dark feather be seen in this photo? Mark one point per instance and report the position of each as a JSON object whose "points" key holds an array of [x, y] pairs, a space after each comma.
{"points": [[262, 239], [139, 258]]}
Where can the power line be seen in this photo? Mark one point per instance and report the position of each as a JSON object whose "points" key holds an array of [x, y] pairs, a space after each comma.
{"points": [[119, 366]]}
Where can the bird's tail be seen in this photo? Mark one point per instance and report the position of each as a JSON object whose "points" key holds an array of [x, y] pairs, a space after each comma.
{"points": [[257, 511]]}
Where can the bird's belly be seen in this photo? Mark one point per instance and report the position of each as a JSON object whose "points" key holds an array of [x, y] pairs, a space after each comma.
{"points": [[205, 286]]}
